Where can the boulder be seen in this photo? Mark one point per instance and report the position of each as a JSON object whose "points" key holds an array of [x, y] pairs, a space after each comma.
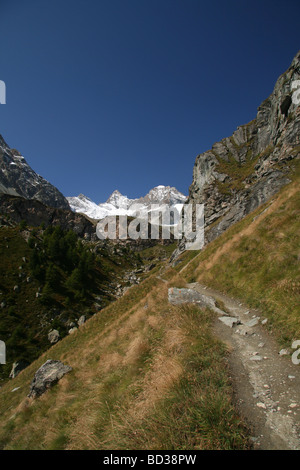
{"points": [[81, 320], [230, 321], [47, 376], [179, 296], [53, 336], [72, 330]]}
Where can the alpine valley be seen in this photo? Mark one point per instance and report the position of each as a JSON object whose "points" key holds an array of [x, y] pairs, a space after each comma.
{"points": [[142, 344]]}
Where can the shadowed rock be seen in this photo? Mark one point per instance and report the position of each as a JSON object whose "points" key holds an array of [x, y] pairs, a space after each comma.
{"points": [[47, 376], [53, 336]]}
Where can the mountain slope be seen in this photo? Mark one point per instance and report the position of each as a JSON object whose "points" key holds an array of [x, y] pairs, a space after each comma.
{"points": [[146, 375], [81, 204], [257, 261], [150, 375], [18, 179], [243, 171], [14, 210], [49, 279]]}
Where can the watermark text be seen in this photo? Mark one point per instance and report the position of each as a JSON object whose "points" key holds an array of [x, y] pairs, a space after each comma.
{"points": [[158, 221]]}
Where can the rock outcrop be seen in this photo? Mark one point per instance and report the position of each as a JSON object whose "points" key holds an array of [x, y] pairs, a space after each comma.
{"points": [[53, 336], [35, 213], [81, 320], [243, 171], [17, 178], [185, 296], [47, 376]]}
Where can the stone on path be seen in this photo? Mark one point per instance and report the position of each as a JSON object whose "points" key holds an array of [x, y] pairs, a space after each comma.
{"points": [[229, 321], [177, 296]]}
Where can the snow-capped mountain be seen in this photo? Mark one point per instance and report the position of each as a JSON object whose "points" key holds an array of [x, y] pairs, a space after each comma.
{"points": [[163, 195], [117, 204], [17, 178], [119, 201]]}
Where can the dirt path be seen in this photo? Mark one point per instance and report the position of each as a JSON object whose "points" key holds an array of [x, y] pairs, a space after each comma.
{"points": [[266, 385]]}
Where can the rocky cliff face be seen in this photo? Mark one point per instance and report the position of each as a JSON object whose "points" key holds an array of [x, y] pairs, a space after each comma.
{"points": [[17, 178], [243, 171], [14, 209]]}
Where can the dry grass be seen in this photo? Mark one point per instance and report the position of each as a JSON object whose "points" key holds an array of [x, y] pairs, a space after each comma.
{"points": [[133, 369], [257, 260], [149, 375]]}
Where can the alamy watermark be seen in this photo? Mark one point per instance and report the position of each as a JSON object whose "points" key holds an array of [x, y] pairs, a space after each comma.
{"points": [[2, 92], [159, 221], [2, 352]]}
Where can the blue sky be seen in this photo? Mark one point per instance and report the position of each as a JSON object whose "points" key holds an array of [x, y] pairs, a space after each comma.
{"points": [[123, 94]]}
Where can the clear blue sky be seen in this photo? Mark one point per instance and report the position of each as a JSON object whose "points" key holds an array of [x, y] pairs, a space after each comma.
{"points": [[124, 94]]}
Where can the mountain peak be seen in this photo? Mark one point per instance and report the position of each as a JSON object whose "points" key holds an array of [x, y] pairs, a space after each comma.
{"points": [[82, 197], [116, 192], [118, 204], [118, 200]]}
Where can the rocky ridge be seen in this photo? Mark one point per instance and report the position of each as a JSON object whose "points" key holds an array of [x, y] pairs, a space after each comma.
{"points": [[14, 209], [243, 171], [17, 178]]}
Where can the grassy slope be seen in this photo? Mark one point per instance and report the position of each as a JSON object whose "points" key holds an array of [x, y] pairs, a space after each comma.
{"points": [[257, 260], [26, 320], [146, 375]]}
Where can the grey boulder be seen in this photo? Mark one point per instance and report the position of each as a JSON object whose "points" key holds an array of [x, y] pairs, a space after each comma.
{"points": [[53, 336], [81, 320], [47, 376], [230, 321], [177, 296]]}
